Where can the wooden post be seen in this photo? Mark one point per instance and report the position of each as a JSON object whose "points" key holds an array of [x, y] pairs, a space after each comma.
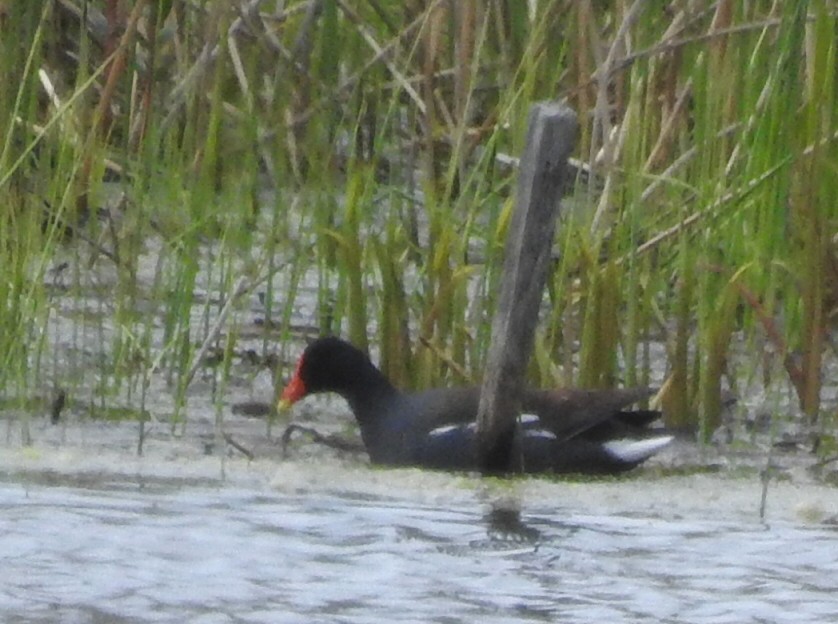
{"points": [[551, 137]]}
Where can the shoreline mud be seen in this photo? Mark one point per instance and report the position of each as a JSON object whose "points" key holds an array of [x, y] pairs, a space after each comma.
{"points": [[683, 482]]}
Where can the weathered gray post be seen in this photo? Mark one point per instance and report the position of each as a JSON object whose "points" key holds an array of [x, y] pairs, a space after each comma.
{"points": [[551, 137]]}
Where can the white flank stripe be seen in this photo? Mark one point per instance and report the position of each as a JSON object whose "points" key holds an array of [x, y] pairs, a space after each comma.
{"points": [[539, 433], [446, 429], [528, 419], [635, 450], [443, 430]]}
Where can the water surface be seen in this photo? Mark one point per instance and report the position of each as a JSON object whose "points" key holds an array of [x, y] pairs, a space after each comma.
{"points": [[125, 552]]}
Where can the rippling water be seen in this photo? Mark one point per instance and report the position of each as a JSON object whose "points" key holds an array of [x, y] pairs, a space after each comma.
{"points": [[123, 553]]}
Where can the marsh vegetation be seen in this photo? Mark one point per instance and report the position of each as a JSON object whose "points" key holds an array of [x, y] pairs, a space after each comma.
{"points": [[350, 166]]}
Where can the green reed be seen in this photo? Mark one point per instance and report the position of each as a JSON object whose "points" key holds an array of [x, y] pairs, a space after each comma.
{"points": [[362, 151]]}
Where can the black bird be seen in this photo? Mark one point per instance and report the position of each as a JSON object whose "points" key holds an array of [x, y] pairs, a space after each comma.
{"points": [[560, 431]]}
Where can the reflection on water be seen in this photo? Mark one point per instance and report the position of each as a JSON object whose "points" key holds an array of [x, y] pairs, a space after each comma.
{"points": [[196, 554]]}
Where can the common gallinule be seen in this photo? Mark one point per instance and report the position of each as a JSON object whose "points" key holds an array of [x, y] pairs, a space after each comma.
{"points": [[561, 431]]}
